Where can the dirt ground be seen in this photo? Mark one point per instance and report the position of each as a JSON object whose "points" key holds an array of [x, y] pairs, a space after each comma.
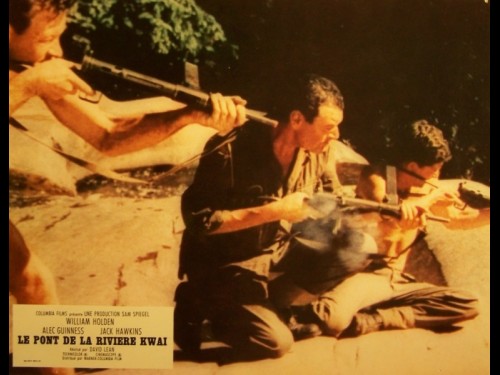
{"points": [[120, 250]]}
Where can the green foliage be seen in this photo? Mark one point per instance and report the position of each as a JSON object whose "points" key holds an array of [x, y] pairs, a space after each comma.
{"points": [[179, 28]]}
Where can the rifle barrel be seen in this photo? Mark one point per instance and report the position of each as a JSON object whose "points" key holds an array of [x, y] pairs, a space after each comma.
{"points": [[177, 92], [383, 207]]}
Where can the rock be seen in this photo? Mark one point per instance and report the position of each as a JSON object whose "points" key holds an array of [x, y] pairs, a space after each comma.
{"points": [[31, 160]]}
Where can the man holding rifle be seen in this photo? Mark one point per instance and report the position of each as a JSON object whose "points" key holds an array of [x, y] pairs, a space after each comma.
{"points": [[383, 296], [35, 27], [36, 68], [238, 212]]}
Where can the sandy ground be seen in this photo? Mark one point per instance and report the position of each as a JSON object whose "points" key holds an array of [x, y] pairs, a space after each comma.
{"points": [[123, 251]]}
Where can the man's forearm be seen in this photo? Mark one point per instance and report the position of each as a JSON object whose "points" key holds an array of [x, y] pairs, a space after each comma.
{"points": [[136, 134], [117, 135], [245, 218]]}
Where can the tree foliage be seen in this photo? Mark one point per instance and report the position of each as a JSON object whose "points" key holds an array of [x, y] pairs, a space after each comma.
{"points": [[177, 28], [395, 62]]}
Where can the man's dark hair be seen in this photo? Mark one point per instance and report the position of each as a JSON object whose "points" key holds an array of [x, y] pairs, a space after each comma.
{"points": [[306, 94], [422, 143], [20, 11]]}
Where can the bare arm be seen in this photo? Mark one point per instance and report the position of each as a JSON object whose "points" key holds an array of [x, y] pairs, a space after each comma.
{"points": [[291, 208], [372, 186], [120, 132], [115, 135]]}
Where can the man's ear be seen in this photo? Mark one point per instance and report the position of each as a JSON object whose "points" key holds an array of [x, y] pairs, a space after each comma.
{"points": [[296, 119]]}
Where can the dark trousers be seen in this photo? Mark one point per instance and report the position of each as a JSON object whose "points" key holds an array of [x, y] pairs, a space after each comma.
{"points": [[253, 331]]}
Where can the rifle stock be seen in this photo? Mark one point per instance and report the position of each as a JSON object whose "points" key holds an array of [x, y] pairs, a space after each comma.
{"points": [[183, 94]]}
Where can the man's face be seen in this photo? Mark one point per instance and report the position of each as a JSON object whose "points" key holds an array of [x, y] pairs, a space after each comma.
{"points": [[324, 128], [41, 40]]}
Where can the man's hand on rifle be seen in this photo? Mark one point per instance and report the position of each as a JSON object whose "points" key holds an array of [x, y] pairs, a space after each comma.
{"points": [[413, 215], [414, 212], [53, 79], [228, 112]]}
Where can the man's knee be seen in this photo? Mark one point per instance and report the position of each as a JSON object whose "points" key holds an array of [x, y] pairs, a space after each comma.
{"points": [[334, 326], [333, 320], [258, 336], [279, 342]]}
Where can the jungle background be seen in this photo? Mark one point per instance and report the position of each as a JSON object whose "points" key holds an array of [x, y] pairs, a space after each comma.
{"points": [[395, 61]]}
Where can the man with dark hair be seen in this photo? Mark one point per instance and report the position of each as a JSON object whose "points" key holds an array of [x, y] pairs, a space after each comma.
{"points": [[383, 296], [20, 11], [238, 212], [34, 31], [36, 68], [421, 143]]}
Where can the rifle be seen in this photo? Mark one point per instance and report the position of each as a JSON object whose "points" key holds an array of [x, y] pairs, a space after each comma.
{"points": [[357, 205], [183, 94]]}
